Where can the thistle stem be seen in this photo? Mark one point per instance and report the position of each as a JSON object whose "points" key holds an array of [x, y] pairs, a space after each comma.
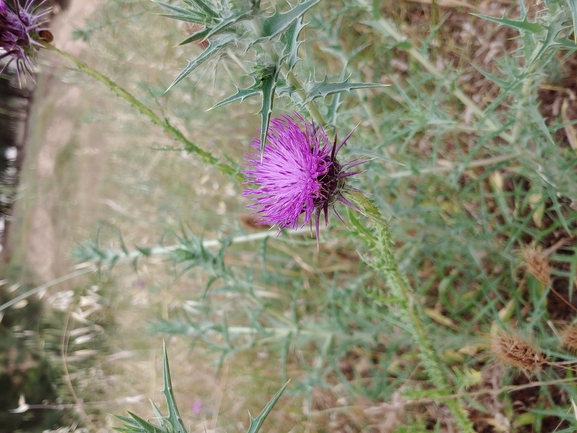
{"points": [[103, 257], [189, 146], [384, 261]]}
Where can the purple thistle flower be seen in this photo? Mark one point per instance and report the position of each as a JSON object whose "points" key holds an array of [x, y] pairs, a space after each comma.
{"points": [[21, 29], [298, 174]]}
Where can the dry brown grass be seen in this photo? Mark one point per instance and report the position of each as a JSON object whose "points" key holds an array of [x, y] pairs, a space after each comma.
{"points": [[569, 337], [537, 265]]}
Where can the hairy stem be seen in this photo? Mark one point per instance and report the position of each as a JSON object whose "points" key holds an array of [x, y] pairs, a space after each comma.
{"points": [[107, 257], [189, 146], [525, 95], [384, 261]]}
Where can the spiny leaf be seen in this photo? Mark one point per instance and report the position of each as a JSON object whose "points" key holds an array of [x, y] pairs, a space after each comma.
{"points": [[550, 41], [145, 426], [336, 103], [506, 88], [202, 34], [156, 411], [177, 9], [130, 425], [501, 83], [225, 23], [279, 22], [187, 18], [183, 14], [265, 81], [521, 25], [241, 94], [213, 48], [173, 415], [323, 88], [291, 42], [203, 7], [256, 423], [368, 208], [538, 119], [267, 86], [573, 7], [567, 43]]}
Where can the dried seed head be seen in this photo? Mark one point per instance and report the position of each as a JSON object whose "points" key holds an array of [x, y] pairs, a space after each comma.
{"points": [[537, 265], [514, 351], [569, 337]]}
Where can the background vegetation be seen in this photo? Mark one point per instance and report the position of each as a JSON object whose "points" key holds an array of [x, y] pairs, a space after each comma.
{"points": [[479, 119]]}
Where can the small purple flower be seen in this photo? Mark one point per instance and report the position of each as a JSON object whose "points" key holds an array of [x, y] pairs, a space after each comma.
{"points": [[197, 407], [298, 174], [21, 29]]}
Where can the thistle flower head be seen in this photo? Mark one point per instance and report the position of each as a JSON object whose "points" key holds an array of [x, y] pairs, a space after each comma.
{"points": [[298, 174], [21, 29]]}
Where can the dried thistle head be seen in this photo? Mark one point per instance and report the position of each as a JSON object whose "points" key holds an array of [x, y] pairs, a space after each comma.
{"points": [[537, 265], [569, 337], [515, 351]]}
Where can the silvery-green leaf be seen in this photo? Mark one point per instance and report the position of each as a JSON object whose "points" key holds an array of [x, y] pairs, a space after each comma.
{"points": [[550, 41], [174, 417], [190, 18], [318, 89], [129, 426], [290, 40], [228, 21], [177, 9], [366, 206], [213, 48], [195, 37], [241, 94], [521, 25], [203, 7], [573, 8], [183, 14], [256, 423], [145, 426], [279, 22], [267, 85], [566, 43]]}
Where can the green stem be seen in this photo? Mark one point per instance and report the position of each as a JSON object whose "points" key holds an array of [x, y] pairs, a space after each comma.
{"points": [[189, 146], [412, 317], [107, 257], [525, 93]]}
